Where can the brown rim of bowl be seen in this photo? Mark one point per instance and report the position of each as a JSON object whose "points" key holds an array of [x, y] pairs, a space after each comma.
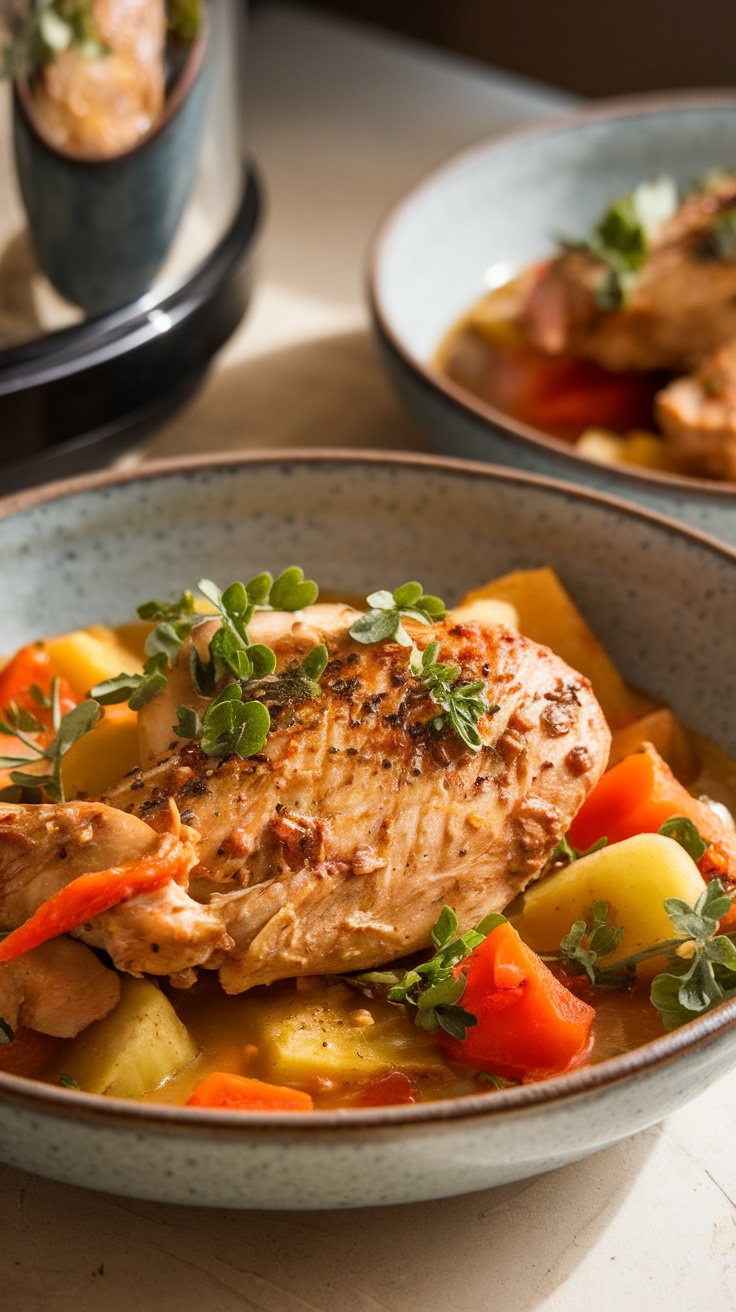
{"points": [[696, 1035], [455, 396], [183, 84]]}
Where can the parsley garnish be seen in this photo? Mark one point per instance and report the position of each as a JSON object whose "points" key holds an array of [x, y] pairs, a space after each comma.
{"points": [[684, 832], [622, 236], [382, 623], [68, 729], [67, 1082], [461, 704], [7, 1034], [433, 988]]}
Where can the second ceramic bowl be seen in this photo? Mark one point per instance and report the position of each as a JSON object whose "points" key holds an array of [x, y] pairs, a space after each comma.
{"points": [[501, 203]]}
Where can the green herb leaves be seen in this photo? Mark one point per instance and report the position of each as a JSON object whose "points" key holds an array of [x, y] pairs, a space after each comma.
{"points": [[586, 941], [7, 1033], [684, 832], [622, 236], [702, 968], [461, 704], [67, 729], [434, 988], [382, 623], [228, 726]]}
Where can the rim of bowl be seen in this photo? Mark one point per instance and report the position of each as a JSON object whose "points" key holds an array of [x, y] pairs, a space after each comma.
{"points": [[696, 1035], [455, 396], [183, 84]]}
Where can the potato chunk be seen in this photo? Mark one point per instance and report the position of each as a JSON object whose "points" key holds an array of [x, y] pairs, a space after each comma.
{"points": [[634, 877], [548, 615], [300, 1040], [137, 1048]]}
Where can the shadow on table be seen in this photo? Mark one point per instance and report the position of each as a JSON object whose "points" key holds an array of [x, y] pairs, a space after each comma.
{"points": [[505, 1248], [329, 391]]}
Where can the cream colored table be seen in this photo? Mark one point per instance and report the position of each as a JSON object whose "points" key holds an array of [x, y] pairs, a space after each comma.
{"points": [[341, 122]]}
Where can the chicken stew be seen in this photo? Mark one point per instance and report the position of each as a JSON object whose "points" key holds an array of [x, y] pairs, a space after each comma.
{"points": [[301, 854], [624, 344]]}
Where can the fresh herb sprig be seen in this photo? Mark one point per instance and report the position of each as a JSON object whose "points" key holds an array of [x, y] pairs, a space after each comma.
{"points": [[622, 237], [461, 704], [433, 989], [382, 623], [231, 653], [588, 940], [701, 970], [67, 729]]}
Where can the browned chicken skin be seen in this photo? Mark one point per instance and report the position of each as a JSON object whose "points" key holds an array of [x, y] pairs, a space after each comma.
{"points": [[337, 846], [682, 304]]}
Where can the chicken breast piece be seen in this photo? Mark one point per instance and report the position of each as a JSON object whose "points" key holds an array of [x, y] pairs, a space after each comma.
{"points": [[697, 415], [59, 988], [336, 847], [45, 847], [682, 305]]}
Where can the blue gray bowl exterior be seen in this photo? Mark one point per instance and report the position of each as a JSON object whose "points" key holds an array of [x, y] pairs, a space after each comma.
{"points": [[503, 202], [101, 229], [90, 550]]}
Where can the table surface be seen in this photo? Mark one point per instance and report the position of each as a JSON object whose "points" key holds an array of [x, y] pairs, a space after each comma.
{"points": [[341, 122]]}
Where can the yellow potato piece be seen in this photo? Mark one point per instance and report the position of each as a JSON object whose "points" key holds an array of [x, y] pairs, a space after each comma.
{"points": [[634, 877], [102, 756], [139, 1046], [298, 1042], [87, 656], [548, 615]]}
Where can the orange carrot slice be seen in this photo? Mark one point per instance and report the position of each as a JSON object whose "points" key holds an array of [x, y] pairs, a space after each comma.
{"points": [[238, 1093], [529, 1025]]}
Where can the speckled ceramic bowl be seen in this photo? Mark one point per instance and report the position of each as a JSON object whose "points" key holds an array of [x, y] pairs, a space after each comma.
{"points": [[499, 206], [90, 549]]}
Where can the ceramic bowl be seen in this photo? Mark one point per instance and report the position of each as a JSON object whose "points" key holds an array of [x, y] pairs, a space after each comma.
{"points": [[499, 205], [87, 550]]}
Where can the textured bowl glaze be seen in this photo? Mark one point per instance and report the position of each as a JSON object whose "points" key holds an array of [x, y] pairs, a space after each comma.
{"points": [[90, 549], [502, 203]]}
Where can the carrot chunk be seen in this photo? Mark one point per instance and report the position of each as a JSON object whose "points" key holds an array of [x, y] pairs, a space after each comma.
{"points": [[529, 1025], [30, 667], [238, 1093], [636, 797], [33, 666]]}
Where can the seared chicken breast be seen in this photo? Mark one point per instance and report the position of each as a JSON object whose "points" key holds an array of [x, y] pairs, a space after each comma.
{"points": [[336, 847]]}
